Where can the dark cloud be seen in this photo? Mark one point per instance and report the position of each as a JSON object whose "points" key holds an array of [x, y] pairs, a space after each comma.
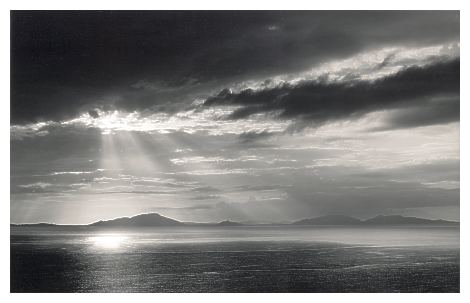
{"points": [[440, 112], [254, 136], [320, 101], [68, 62], [94, 113]]}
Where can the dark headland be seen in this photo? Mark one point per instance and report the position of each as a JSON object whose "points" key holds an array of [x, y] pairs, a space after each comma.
{"points": [[157, 220]]}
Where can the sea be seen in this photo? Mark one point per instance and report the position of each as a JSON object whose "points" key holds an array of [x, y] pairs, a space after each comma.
{"points": [[307, 259]]}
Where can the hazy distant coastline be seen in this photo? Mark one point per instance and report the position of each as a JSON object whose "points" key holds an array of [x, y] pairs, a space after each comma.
{"points": [[157, 220]]}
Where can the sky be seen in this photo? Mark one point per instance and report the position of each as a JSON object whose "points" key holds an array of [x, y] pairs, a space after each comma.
{"points": [[266, 116]]}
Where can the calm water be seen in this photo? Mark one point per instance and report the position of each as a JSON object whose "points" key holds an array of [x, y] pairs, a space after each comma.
{"points": [[236, 259]]}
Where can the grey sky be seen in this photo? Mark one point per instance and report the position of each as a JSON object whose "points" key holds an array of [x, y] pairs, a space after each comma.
{"points": [[249, 116]]}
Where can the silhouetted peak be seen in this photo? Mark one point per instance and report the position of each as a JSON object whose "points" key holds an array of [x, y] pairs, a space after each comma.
{"points": [[329, 220], [149, 219], [398, 219], [229, 223]]}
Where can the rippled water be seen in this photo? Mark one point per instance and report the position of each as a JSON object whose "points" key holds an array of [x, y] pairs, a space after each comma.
{"points": [[236, 259]]}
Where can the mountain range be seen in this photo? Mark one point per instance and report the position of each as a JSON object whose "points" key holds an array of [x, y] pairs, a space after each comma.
{"points": [[378, 220], [157, 220]]}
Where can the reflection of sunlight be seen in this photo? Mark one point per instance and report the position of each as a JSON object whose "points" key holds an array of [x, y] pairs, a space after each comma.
{"points": [[108, 241]]}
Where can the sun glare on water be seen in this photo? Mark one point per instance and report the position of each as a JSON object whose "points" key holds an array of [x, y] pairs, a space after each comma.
{"points": [[108, 241]]}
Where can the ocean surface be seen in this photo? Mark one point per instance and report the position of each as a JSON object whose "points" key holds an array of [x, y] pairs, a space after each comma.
{"points": [[235, 259]]}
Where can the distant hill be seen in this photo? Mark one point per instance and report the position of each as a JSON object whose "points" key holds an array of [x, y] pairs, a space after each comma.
{"points": [[401, 220], [378, 220], [329, 220], [35, 224], [209, 224], [229, 223], [144, 220]]}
